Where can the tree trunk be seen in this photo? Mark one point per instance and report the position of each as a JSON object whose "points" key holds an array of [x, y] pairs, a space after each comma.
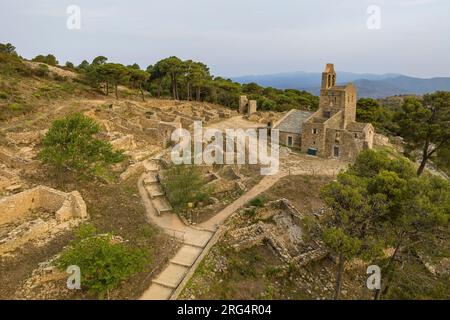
{"points": [[422, 165], [425, 156], [176, 89], [198, 93], [188, 91], [340, 271], [116, 91], [107, 88], [142, 92], [174, 94], [159, 89], [387, 273]]}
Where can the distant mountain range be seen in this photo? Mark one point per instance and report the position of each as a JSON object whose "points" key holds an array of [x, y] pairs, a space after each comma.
{"points": [[369, 85]]}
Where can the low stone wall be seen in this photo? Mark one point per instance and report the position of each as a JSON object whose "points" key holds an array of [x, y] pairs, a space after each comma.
{"points": [[66, 207]]}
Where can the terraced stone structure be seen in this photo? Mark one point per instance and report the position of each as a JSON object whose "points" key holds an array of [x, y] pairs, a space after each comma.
{"points": [[35, 213]]}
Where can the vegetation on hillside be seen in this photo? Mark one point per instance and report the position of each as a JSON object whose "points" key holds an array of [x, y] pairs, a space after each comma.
{"points": [[423, 123], [70, 144], [103, 260], [183, 185], [381, 203]]}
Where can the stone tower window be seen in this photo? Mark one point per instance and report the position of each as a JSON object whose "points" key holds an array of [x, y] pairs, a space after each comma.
{"points": [[314, 131]]}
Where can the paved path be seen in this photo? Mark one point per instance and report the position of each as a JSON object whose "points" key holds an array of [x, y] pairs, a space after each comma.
{"points": [[194, 240]]}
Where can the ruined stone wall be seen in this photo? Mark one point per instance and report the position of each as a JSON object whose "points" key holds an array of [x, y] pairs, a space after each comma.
{"points": [[19, 205], [252, 107], [66, 210], [243, 103]]}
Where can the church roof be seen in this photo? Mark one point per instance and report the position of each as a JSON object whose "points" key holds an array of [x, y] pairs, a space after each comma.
{"points": [[293, 121]]}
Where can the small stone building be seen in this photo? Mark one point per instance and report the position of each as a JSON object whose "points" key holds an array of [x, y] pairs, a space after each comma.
{"points": [[290, 127], [332, 131], [247, 107]]}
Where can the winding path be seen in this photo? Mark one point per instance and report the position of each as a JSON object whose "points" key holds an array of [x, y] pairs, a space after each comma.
{"points": [[198, 240], [194, 240]]}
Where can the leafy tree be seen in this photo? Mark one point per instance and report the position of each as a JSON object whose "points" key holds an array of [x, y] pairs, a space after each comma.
{"points": [[157, 75], [425, 125], [103, 262], [70, 65], [183, 185], [99, 60], [370, 110], [200, 78], [416, 208], [110, 74], [137, 78], [404, 209], [349, 227], [7, 48], [83, 66], [171, 67], [134, 66], [71, 144], [48, 59]]}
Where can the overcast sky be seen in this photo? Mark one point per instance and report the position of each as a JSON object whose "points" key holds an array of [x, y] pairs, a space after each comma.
{"points": [[239, 37]]}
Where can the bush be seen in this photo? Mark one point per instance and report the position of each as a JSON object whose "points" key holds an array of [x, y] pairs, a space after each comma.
{"points": [[257, 202], [3, 95], [42, 71], [48, 59], [183, 185], [103, 262], [71, 144]]}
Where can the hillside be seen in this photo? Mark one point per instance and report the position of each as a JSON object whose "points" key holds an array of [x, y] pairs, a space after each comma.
{"points": [[369, 85]]}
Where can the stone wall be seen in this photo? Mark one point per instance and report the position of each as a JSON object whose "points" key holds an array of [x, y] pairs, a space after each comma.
{"points": [[64, 209], [64, 205]]}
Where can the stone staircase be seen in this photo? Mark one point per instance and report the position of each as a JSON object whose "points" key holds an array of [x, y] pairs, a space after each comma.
{"points": [[193, 240], [170, 278], [153, 187]]}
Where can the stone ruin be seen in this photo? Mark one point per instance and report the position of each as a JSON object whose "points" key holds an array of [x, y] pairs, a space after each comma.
{"points": [[247, 107], [283, 234], [37, 213]]}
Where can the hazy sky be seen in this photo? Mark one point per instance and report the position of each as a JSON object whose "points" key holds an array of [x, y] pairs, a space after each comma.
{"points": [[239, 37]]}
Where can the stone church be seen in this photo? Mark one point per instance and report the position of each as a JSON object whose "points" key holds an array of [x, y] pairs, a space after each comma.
{"points": [[332, 131]]}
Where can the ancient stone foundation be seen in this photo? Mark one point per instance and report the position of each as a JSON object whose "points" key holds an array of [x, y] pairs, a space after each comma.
{"points": [[35, 213]]}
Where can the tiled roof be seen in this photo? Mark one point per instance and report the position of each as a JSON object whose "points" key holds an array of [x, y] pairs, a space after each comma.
{"points": [[293, 121]]}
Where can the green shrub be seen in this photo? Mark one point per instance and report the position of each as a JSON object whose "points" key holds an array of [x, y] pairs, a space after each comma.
{"points": [[183, 185], [15, 107], [3, 95], [71, 144], [103, 262], [42, 71], [257, 202]]}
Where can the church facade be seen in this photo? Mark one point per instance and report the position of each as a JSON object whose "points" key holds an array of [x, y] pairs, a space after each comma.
{"points": [[332, 131]]}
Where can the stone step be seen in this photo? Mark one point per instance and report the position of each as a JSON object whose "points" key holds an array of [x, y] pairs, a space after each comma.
{"points": [[151, 166], [171, 276], [157, 292], [154, 190], [198, 239], [161, 205], [151, 178], [186, 256]]}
